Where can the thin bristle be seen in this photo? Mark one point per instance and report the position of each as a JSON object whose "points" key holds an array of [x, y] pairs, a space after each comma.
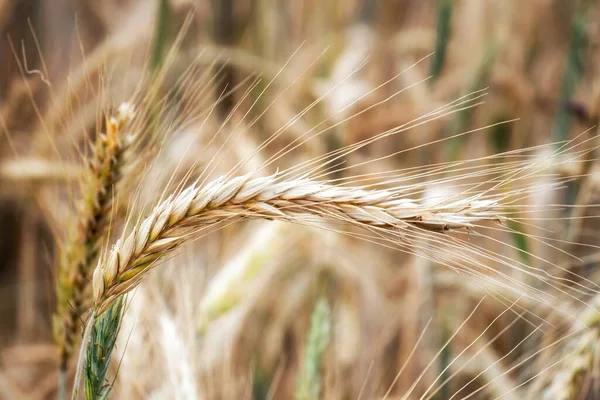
{"points": [[309, 379]]}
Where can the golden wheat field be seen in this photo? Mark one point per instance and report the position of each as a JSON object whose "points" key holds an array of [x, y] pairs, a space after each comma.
{"points": [[270, 199]]}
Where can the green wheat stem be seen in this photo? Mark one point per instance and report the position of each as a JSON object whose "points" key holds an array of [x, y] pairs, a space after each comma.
{"points": [[160, 35], [444, 20], [499, 140], [309, 380], [572, 73]]}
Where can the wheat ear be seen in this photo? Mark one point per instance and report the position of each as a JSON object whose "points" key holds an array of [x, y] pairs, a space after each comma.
{"points": [[77, 261], [99, 352], [179, 217], [582, 353]]}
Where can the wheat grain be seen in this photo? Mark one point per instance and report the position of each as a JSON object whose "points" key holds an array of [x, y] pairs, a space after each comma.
{"points": [[77, 261], [177, 219]]}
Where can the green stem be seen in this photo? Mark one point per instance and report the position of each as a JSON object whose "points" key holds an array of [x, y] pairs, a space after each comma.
{"points": [[444, 20], [160, 35], [309, 380], [572, 74]]}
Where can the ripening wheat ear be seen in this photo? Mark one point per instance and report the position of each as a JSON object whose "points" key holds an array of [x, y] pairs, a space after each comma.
{"points": [[76, 262], [180, 217], [103, 337], [579, 358]]}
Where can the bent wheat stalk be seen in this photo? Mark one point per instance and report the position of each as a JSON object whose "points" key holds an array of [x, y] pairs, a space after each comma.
{"points": [[78, 258], [179, 217]]}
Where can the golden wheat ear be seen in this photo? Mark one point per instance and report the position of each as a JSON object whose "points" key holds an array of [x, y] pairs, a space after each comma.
{"points": [[77, 259], [179, 218]]}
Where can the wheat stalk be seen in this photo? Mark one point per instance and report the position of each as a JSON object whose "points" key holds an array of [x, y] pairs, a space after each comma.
{"points": [[310, 377], [77, 261], [177, 219]]}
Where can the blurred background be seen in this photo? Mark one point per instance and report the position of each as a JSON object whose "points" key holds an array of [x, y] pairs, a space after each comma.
{"points": [[272, 310]]}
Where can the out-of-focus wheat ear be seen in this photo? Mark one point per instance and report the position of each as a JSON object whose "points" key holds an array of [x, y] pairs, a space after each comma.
{"points": [[99, 351], [580, 355], [309, 379], [77, 258]]}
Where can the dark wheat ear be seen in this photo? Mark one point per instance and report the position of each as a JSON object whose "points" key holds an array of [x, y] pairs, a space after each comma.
{"points": [[78, 257]]}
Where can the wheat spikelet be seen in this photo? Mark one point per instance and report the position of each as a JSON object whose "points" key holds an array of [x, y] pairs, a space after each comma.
{"points": [[99, 352], [179, 217], [105, 171]]}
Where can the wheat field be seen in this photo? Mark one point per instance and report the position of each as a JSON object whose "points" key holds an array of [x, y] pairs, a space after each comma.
{"points": [[301, 200]]}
